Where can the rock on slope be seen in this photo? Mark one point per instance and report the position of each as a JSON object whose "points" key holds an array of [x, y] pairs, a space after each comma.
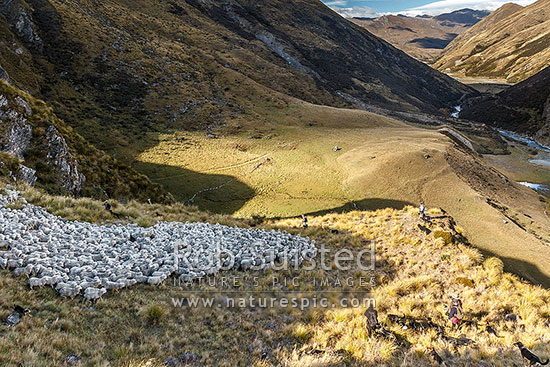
{"points": [[38, 148], [512, 43], [147, 65], [422, 37], [523, 108]]}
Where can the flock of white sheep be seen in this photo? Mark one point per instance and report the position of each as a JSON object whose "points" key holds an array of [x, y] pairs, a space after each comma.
{"points": [[83, 258]]}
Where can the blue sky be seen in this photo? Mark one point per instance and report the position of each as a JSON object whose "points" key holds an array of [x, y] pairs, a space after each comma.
{"points": [[371, 8]]}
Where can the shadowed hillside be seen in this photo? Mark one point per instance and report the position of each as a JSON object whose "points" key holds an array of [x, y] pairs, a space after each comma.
{"points": [[523, 108], [116, 69], [38, 148]]}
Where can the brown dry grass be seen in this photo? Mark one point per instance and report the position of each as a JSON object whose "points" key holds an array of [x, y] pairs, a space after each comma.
{"points": [[415, 276]]}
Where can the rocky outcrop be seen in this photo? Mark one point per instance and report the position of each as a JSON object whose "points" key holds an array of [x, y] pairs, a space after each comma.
{"points": [[279, 49], [27, 175], [37, 147], [59, 156], [16, 12], [267, 38], [17, 138], [4, 75]]}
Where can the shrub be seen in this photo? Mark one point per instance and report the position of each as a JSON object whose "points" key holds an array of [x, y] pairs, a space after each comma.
{"points": [[302, 333], [465, 282], [445, 236], [494, 266], [154, 314]]}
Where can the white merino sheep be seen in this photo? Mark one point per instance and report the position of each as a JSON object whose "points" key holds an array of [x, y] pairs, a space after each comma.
{"points": [[156, 280], [37, 282], [76, 256], [68, 291], [93, 294]]}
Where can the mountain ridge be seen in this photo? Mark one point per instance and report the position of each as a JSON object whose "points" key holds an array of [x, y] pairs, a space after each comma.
{"points": [[512, 43], [102, 57], [421, 37]]}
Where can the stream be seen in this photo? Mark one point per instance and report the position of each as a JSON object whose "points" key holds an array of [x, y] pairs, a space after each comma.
{"points": [[456, 113], [530, 142], [542, 159]]}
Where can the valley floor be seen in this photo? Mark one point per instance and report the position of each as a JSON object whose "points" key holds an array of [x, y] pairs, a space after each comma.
{"points": [[311, 160]]}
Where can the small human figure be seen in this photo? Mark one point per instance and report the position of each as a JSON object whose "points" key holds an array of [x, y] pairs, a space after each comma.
{"points": [[422, 212], [107, 206], [455, 311], [304, 221]]}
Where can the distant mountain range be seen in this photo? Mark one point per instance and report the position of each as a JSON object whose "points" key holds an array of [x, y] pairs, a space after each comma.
{"points": [[422, 37], [463, 16], [512, 43]]}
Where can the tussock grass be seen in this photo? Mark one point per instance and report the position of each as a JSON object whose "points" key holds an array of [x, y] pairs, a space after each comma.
{"points": [[425, 272], [154, 313], [415, 276], [89, 210]]}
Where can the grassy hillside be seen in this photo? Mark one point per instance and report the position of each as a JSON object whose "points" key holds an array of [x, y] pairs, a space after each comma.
{"points": [[512, 43], [288, 168], [98, 174], [118, 69], [415, 275]]}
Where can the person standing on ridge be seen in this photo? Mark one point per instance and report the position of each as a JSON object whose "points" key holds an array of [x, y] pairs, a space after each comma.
{"points": [[422, 212]]}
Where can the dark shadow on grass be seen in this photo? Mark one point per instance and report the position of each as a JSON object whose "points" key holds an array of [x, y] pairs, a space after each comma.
{"points": [[219, 194], [523, 269], [365, 204], [431, 42]]}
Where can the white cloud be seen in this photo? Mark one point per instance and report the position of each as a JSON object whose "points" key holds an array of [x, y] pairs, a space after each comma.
{"points": [[435, 8], [351, 12], [446, 6]]}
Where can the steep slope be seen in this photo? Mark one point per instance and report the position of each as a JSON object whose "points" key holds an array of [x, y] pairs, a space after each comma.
{"points": [[38, 148], [523, 108], [512, 43], [418, 266], [421, 37], [119, 68]]}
